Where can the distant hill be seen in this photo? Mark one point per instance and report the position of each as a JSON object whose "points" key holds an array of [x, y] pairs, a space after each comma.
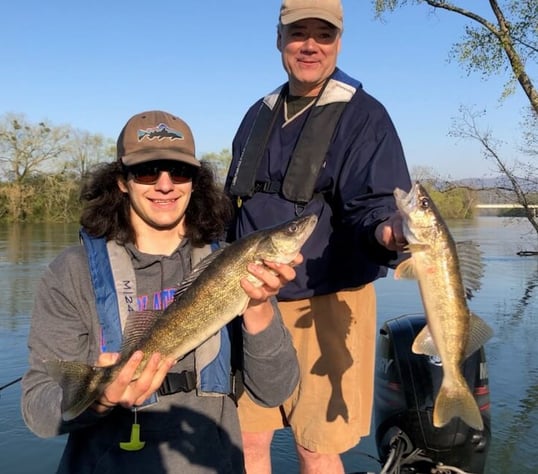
{"points": [[499, 181], [480, 183]]}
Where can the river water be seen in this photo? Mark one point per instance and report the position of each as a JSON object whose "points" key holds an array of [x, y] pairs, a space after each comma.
{"points": [[508, 301]]}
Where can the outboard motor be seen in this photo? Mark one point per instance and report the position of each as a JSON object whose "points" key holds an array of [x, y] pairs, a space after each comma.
{"points": [[405, 390]]}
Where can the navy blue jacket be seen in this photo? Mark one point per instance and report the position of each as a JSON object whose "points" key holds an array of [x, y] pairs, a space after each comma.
{"points": [[363, 165]]}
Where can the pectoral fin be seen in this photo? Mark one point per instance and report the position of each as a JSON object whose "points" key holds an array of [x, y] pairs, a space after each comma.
{"points": [[423, 343], [406, 270]]}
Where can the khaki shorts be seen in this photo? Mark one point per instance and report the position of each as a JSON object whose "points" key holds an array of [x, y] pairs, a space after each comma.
{"points": [[331, 409]]}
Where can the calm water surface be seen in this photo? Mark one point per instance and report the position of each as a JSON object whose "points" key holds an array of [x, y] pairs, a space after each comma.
{"points": [[508, 301]]}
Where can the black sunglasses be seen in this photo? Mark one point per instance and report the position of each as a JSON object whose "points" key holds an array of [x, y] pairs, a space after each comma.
{"points": [[149, 173]]}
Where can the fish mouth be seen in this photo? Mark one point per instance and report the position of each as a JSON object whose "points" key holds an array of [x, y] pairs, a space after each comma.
{"points": [[406, 202], [302, 228], [308, 224], [288, 238]]}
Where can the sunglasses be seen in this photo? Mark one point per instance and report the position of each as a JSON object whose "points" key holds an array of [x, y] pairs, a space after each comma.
{"points": [[149, 173]]}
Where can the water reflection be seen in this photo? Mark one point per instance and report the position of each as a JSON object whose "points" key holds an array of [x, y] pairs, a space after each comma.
{"points": [[529, 287], [28, 243], [520, 433], [25, 250]]}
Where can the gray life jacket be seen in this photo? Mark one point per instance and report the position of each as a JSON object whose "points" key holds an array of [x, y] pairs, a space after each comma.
{"points": [[114, 283], [310, 150]]}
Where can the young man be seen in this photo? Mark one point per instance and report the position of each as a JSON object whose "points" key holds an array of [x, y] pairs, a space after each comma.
{"points": [[320, 144], [150, 216]]}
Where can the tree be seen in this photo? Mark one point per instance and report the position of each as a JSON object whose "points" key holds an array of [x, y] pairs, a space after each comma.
{"points": [[26, 149], [86, 150], [507, 44], [521, 177], [220, 162], [530, 137], [454, 201]]}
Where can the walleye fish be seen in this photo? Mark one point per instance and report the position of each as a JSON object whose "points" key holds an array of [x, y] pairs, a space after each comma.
{"points": [[447, 274], [205, 302]]}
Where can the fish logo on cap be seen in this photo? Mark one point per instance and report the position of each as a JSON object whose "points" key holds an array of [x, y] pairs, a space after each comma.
{"points": [[160, 132]]}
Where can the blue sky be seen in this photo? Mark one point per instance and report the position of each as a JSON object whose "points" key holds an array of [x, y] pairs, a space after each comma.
{"points": [[93, 64]]}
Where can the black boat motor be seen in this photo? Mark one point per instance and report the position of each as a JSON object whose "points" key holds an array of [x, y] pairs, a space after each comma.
{"points": [[405, 390]]}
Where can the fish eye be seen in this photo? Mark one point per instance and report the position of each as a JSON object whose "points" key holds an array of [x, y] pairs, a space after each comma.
{"points": [[293, 228], [425, 203]]}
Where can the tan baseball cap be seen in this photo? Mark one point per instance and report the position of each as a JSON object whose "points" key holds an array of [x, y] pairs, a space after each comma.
{"points": [[156, 135], [328, 10]]}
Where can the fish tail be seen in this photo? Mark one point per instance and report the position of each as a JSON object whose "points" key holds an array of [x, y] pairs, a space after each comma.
{"points": [[81, 384], [456, 401]]}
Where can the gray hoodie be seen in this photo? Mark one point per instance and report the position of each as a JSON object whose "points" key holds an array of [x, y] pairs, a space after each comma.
{"points": [[184, 433]]}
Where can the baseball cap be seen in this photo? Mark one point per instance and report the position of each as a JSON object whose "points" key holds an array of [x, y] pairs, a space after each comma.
{"points": [[156, 135], [328, 10]]}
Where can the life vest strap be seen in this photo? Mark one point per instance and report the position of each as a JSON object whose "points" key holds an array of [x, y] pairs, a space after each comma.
{"points": [[178, 382]]}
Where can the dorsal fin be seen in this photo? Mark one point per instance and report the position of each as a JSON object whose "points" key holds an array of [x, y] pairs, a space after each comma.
{"points": [[471, 266], [196, 272], [138, 324]]}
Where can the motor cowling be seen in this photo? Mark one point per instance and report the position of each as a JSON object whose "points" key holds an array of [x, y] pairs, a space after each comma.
{"points": [[405, 389]]}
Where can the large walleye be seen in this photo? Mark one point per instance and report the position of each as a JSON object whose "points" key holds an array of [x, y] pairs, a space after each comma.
{"points": [[447, 274], [204, 303]]}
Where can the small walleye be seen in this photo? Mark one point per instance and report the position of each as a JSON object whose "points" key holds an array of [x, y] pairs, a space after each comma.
{"points": [[205, 302], [447, 274]]}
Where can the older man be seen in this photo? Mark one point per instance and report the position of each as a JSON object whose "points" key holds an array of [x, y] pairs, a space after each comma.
{"points": [[320, 144]]}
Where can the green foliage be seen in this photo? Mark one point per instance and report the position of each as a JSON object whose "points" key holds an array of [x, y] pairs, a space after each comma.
{"points": [[50, 192], [26, 149], [454, 202], [57, 199], [481, 52], [499, 37], [502, 40], [45, 198], [40, 169]]}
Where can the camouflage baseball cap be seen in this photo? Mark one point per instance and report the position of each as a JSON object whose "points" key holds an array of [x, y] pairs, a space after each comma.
{"points": [[156, 135]]}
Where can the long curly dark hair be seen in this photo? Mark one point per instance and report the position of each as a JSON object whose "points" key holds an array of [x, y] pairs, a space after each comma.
{"points": [[106, 210]]}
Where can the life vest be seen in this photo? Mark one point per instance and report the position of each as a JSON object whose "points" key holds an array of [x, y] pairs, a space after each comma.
{"points": [[310, 150], [114, 283]]}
